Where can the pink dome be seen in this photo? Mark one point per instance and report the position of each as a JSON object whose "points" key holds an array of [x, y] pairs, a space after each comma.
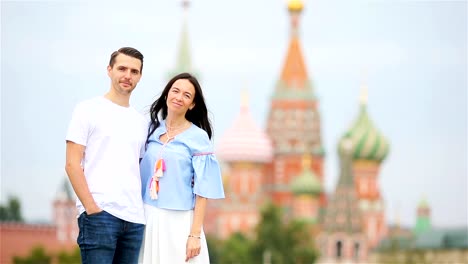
{"points": [[245, 141]]}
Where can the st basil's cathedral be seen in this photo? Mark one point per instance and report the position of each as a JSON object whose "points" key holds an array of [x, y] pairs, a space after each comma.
{"points": [[283, 163]]}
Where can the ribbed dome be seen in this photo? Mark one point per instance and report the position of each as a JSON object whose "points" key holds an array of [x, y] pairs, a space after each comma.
{"points": [[366, 141], [245, 141], [307, 182]]}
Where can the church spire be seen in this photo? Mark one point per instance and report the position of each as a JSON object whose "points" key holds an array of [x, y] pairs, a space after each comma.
{"points": [[364, 95], [65, 193], [294, 119], [184, 58], [294, 73], [295, 8]]}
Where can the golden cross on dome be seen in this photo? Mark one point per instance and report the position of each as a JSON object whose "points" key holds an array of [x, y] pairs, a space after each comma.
{"points": [[295, 5], [364, 95], [244, 98], [364, 90]]}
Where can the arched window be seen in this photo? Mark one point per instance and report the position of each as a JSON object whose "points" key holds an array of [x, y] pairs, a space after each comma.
{"points": [[339, 249], [356, 251]]}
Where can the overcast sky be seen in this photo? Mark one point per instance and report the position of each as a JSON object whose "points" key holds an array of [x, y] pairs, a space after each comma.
{"points": [[413, 53]]}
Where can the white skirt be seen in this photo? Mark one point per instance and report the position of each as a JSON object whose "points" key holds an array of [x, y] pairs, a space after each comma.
{"points": [[165, 238]]}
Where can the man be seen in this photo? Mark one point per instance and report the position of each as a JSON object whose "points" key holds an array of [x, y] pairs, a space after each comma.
{"points": [[105, 139]]}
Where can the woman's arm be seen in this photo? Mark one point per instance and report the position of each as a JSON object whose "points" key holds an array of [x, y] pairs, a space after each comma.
{"points": [[193, 241]]}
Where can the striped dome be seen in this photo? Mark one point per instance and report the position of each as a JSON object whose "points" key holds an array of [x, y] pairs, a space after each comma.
{"points": [[245, 141], [366, 141]]}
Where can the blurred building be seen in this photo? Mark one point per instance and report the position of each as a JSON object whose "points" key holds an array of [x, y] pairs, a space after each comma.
{"points": [[284, 163], [423, 243], [369, 149], [293, 123], [343, 237], [287, 157], [18, 239], [306, 188], [246, 151]]}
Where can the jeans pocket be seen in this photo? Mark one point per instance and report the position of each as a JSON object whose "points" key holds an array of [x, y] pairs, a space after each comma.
{"points": [[100, 228]]}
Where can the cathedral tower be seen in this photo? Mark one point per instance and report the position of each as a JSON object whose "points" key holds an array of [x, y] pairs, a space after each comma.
{"points": [[423, 220], [369, 150], [342, 238], [245, 150], [293, 120], [184, 57], [64, 214]]}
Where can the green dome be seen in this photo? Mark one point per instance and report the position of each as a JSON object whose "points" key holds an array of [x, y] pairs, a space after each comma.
{"points": [[366, 141], [306, 183]]}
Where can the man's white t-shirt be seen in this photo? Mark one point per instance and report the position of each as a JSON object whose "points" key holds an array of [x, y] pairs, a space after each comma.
{"points": [[114, 139]]}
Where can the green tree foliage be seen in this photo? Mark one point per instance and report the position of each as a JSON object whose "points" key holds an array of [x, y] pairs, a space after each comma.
{"points": [[73, 257], [3, 213], [282, 243], [37, 256], [214, 247], [298, 235], [276, 242], [12, 211], [269, 236], [236, 250]]}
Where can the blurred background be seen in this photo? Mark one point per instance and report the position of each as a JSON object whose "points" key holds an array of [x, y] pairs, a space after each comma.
{"points": [[341, 126]]}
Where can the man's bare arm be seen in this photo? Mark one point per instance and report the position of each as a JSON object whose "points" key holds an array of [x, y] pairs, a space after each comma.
{"points": [[77, 178]]}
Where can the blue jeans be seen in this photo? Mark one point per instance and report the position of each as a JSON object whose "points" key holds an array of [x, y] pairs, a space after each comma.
{"points": [[106, 239]]}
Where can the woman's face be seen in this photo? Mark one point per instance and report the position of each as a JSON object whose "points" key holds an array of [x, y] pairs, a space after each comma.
{"points": [[180, 97]]}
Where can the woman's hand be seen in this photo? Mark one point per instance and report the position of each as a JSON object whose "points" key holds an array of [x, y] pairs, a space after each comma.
{"points": [[193, 247]]}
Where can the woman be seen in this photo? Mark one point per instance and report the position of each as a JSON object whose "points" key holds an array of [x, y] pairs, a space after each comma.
{"points": [[179, 173]]}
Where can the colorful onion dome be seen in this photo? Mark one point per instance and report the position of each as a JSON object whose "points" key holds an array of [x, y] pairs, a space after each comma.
{"points": [[366, 140], [295, 5], [307, 182], [245, 141]]}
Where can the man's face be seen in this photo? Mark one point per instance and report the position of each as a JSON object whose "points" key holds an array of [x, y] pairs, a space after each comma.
{"points": [[125, 74]]}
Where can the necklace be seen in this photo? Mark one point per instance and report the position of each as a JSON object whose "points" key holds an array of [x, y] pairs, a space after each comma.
{"points": [[176, 127], [160, 165], [170, 130]]}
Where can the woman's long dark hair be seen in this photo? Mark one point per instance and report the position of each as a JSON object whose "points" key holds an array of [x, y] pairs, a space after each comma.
{"points": [[198, 115]]}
